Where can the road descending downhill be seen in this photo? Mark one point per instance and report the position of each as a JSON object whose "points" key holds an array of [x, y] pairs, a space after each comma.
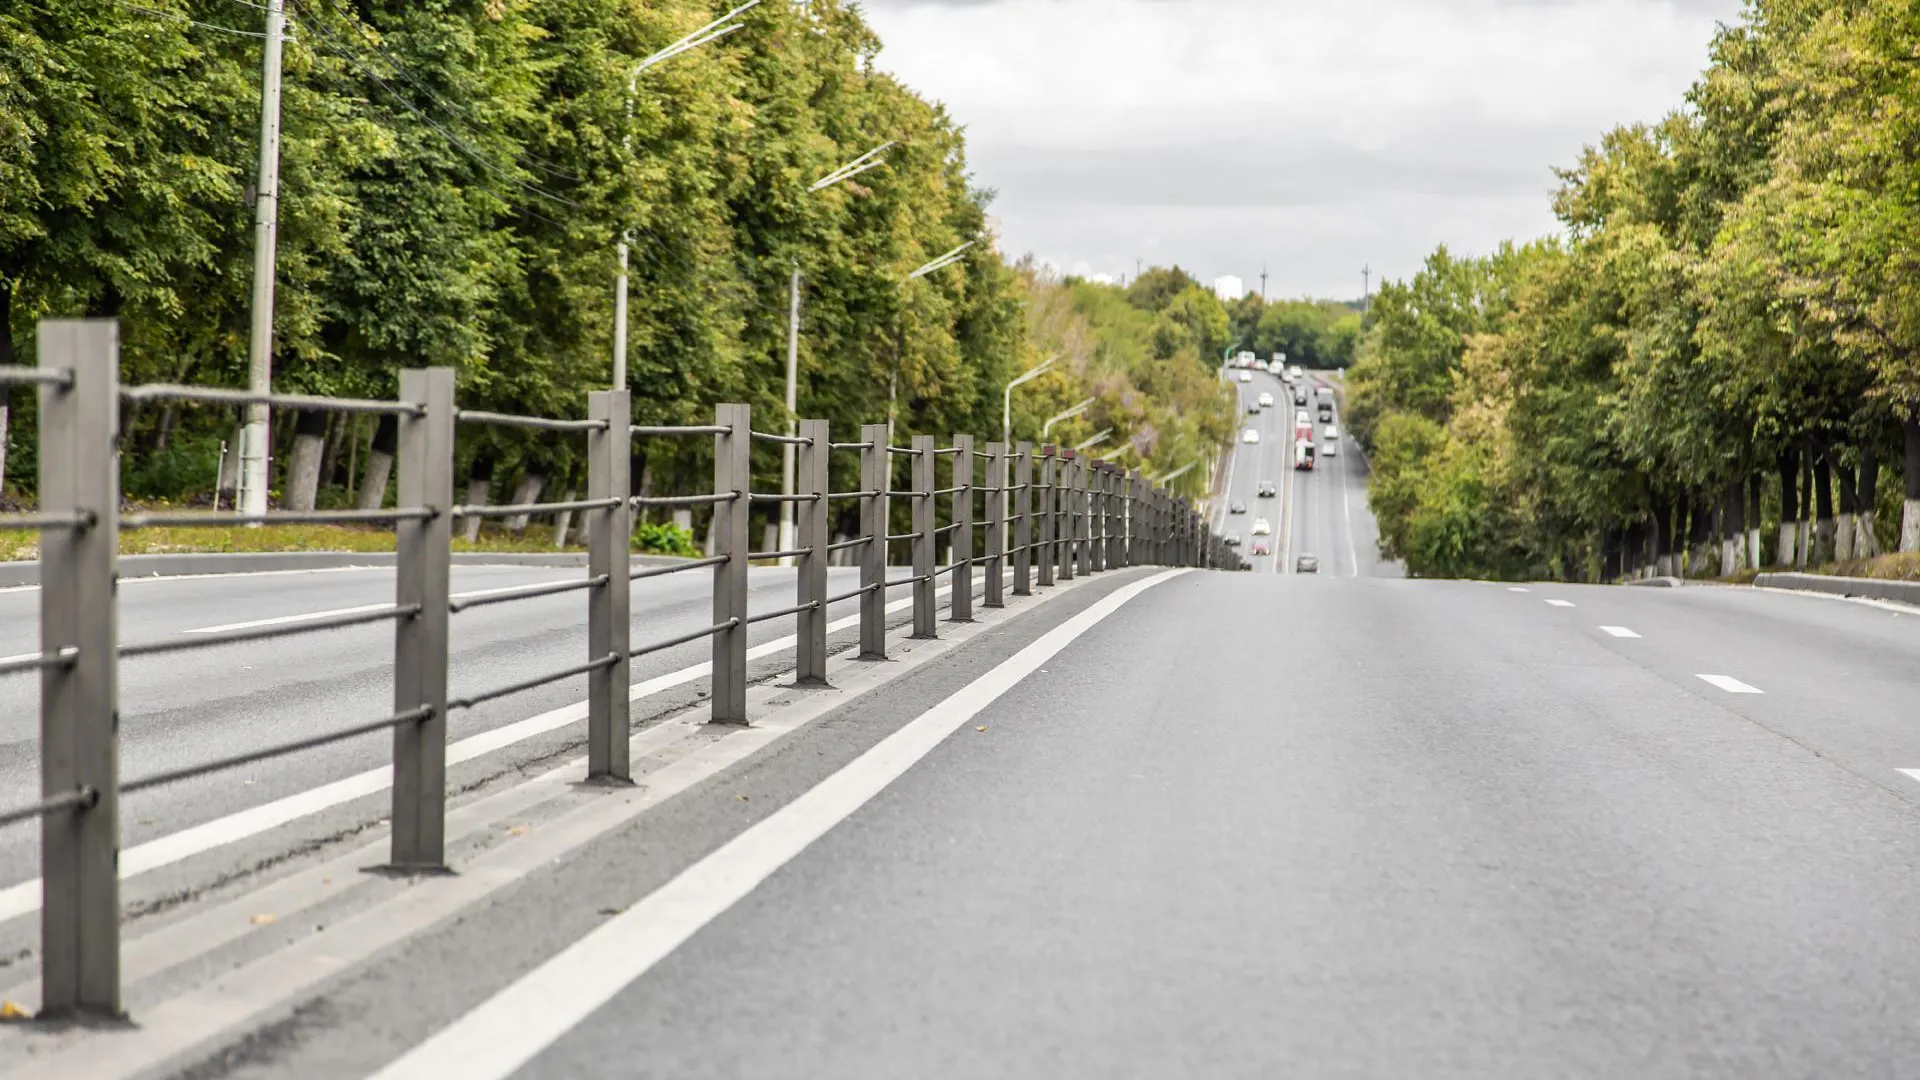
{"points": [[1454, 831]]}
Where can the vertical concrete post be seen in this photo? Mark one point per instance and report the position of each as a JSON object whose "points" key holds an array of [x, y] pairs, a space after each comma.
{"points": [[996, 509], [732, 475], [960, 604], [812, 478], [925, 472], [1023, 493], [875, 477], [79, 700], [1048, 518], [609, 607], [423, 578]]}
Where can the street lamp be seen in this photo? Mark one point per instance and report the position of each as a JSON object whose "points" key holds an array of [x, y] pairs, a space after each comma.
{"points": [[1068, 415], [713, 31], [1006, 407], [1095, 441], [893, 380], [869, 160]]}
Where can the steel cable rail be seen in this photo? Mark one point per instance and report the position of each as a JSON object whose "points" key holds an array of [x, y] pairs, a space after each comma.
{"points": [[1084, 521]]}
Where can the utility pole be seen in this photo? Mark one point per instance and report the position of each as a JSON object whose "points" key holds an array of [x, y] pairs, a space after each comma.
{"points": [[1366, 287], [1263, 283], [255, 438], [793, 379]]}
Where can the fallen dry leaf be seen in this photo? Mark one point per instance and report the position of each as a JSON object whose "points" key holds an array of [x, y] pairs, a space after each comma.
{"points": [[262, 920], [10, 1011], [981, 728], [518, 830]]}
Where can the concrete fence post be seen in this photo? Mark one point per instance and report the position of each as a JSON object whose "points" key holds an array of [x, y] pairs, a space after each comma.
{"points": [[875, 477], [1068, 504], [960, 605], [812, 478], [609, 607], [79, 700], [732, 476], [1047, 490], [1097, 556], [996, 511], [925, 472], [423, 579], [1023, 493]]}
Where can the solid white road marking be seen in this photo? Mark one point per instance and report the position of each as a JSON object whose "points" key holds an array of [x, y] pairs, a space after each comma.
{"points": [[1353, 553], [1912, 774], [1730, 684], [506, 1031], [1561, 603], [16, 900], [1619, 631], [1518, 588]]}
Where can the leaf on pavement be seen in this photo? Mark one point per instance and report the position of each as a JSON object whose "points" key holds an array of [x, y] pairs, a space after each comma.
{"points": [[262, 920]]}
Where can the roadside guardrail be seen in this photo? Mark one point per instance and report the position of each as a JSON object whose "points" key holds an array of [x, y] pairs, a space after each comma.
{"points": [[1079, 516]]}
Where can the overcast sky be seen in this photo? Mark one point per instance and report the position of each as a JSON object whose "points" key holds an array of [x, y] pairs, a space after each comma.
{"points": [[1312, 136]]}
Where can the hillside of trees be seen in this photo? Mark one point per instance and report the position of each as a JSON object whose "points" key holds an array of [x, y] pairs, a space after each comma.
{"points": [[1715, 366], [456, 175]]}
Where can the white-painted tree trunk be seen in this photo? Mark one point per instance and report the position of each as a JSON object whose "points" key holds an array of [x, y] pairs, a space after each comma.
{"points": [[1843, 536], [1753, 547], [1822, 542], [526, 491], [1865, 544], [1788, 535], [477, 491], [1805, 549], [303, 472], [1729, 556], [563, 522], [3, 438], [230, 467], [1910, 525], [373, 480]]}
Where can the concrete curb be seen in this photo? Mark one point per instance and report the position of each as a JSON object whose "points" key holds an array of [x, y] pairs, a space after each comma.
{"points": [[1906, 592], [1658, 582], [16, 574]]}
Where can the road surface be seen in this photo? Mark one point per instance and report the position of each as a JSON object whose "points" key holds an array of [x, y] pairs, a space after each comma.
{"points": [[1461, 830]]}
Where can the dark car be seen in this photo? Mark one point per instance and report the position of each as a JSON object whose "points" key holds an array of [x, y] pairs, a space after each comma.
{"points": [[1237, 508], [1232, 540], [1306, 564], [1253, 407], [1299, 397], [1268, 490]]}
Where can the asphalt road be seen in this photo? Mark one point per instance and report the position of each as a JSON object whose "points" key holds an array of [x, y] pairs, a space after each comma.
{"points": [[1458, 831], [184, 708], [1326, 514]]}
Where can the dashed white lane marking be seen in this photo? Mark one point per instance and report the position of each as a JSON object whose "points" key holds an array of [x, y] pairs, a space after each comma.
{"points": [[1518, 588], [1730, 684], [1619, 631], [16, 900], [1561, 603], [1912, 774], [506, 1031]]}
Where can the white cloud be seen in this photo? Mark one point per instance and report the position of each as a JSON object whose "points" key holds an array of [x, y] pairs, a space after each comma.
{"points": [[1317, 137]]}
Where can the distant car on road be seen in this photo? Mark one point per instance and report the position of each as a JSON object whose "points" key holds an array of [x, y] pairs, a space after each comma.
{"points": [[1261, 528], [1250, 436], [1266, 400], [1299, 397], [1268, 489], [1246, 376], [1253, 408], [1261, 547], [1306, 564], [1329, 448], [1238, 507], [1300, 417], [1326, 411], [1332, 431], [1231, 540]]}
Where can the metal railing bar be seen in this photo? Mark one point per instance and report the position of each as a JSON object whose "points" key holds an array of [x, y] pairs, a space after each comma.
{"points": [[907, 450], [795, 610], [858, 541], [203, 519], [775, 497], [945, 452], [908, 581], [188, 772], [14, 373], [682, 639], [528, 593], [222, 396], [905, 494], [952, 490], [683, 500], [902, 536], [78, 519], [539, 423], [859, 592], [645, 430], [63, 657], [788, 440], [675, 568], [948, 528], [794, 553], [262, 633], [514, 509], [83, 796], [531, 684], [852, 494], [850, 446]]}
